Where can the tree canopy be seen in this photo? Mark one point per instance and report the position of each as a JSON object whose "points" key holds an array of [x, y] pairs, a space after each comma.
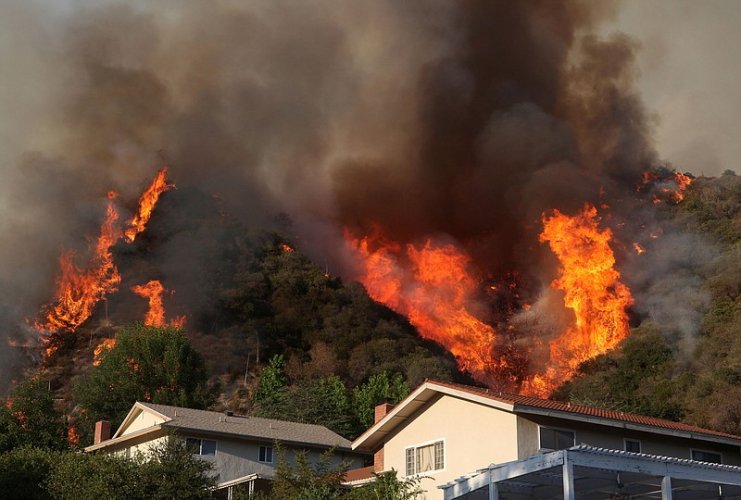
{"points": [[29, 418], [146, 364]]}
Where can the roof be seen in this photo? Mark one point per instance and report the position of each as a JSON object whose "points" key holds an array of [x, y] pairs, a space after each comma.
{"points": [[594, 476], [256, 427], [217, 423], [359, 476], [518, 404]]}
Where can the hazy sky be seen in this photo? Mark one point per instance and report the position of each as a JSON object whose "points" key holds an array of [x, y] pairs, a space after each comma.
{"points": [[690, 62]]}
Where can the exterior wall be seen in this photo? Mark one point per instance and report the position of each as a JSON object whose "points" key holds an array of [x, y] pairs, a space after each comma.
{"points": [[237, 458], [474, 436], [613, 438], [142, 421]]}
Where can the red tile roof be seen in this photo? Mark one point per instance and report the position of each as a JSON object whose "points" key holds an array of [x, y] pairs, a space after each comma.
{"points": [[523, 402], [358, 474]]}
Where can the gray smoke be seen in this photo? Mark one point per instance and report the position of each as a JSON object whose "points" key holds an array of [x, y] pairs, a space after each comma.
{"points": [[468, 119]]}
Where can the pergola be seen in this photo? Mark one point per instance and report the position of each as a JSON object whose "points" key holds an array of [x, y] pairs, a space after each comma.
{"points": [[588, 473]]}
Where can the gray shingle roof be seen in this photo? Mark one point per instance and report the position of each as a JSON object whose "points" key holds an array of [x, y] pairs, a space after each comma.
{"points": [[239, 425]]}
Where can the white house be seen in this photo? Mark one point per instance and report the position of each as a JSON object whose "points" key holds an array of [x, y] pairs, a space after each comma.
{"points": [[443, 431], [241, 447]]}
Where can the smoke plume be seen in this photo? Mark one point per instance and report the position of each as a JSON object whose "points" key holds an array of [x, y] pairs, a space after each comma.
{"points": [[465, 119]]}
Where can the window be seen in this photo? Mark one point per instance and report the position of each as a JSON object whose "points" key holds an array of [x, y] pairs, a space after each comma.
{"points": [[706, 456], [425, 458], [555, 439], [265, 454], [632, 445], [203, 447]]}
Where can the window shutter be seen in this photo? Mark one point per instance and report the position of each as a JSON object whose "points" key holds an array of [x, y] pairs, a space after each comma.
{"points": [[410, 461], [439, 455]]}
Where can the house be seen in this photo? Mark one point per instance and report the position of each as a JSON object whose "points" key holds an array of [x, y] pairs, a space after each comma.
{"points": [[241, 447], [443, 431]]}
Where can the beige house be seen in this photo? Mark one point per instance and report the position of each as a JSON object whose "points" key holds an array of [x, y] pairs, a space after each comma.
{"points": [[443, 431], [241, 447]]}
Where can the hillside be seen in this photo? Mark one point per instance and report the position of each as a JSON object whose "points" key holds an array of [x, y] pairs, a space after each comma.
{"points": [[654, 373], [248, 295]]}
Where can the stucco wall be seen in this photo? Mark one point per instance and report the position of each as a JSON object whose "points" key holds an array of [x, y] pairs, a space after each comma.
{"points": [[235, 458], [474, 436], [142, 421]]}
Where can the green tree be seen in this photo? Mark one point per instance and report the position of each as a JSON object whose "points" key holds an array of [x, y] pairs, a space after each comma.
{"points": [[86, 476], [380, 388], [146, 364], [388, 486], [173, 472], [271, 395], [322, 481], [30, 419], [24, 471], [169, 472]]}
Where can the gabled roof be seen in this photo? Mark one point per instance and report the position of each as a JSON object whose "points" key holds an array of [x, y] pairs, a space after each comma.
{"points": [[186, 420], [517, 404], [256, 427]]}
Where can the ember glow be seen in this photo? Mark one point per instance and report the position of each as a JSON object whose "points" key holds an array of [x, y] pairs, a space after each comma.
{"points": [[683, 182], [432, 286], [147, 202], [592, 291], [669, 187], [102, 349], [80, 289], [152, 291]]}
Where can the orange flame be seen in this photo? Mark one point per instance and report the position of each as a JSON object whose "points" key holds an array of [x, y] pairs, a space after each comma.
{"points": [[593, 292], [670, 187], [683, 182], [431, 285], [102, 349], [152, 291], [73, 437], [78, 290], [147, 202]]}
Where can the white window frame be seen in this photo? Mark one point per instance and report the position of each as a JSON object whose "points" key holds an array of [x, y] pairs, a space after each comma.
{"points": [[200, 446], [720, 454], [552, 427], [272, 453], [422, 445], [625, 445]]}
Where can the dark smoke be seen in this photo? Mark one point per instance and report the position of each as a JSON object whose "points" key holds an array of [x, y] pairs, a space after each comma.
{"points": [[468, 119]]}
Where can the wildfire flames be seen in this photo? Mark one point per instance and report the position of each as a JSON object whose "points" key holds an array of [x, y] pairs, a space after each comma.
{"points": [[592, 290], [670, 187], [147, 202], [152, 291], [102, 349], [79, 290], [433, 286]]}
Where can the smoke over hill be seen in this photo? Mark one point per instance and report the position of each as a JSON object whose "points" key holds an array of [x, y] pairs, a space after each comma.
{"points": [[445, 123]]}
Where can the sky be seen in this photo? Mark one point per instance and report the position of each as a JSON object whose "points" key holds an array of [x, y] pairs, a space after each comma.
{"points": [[690, 77]]}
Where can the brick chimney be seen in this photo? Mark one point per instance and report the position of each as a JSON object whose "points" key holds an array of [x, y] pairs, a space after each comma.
{"points": [[379, 412], [102, 431]]}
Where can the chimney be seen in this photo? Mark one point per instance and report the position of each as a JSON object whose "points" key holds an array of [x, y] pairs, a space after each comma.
{"points": [[381, 411], [102, 431]]}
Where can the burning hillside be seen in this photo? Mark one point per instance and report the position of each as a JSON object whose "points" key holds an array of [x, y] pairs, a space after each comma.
{"points": [[479, 166]]}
